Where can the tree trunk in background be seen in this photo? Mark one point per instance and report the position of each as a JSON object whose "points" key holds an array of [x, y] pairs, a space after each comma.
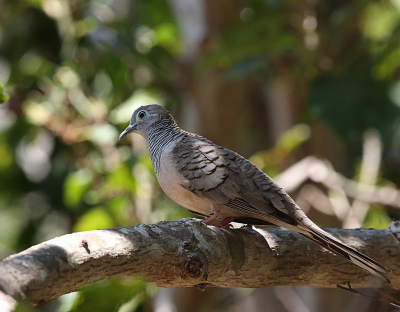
{"points": [[286, 99], [228, 112]]}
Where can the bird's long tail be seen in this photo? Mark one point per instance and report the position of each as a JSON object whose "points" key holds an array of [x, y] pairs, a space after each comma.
{"points": [[331, 243], [300, 223]]}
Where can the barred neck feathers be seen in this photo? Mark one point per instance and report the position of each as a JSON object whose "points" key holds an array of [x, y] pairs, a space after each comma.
{"points": [[159, 136]]}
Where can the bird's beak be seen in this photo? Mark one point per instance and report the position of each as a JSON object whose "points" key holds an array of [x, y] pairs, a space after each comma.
{"points": [[128, 130]]}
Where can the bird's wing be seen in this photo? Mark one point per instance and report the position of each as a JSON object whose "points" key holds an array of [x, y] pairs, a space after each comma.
{"points": [[229, 179]]}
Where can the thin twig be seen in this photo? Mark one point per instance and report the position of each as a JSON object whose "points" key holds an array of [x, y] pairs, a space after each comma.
{"points": [[349, 288]]}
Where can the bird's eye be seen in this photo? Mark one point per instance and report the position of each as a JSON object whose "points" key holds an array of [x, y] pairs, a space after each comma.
{"points": [[141, 114]]}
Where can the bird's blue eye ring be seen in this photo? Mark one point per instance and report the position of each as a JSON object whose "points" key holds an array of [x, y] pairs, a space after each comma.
{"points": [[141, 115]]}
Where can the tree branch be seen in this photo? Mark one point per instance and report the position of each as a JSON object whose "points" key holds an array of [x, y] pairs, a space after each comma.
{"points": [[186, 253], [321, 172], [7, 303]]}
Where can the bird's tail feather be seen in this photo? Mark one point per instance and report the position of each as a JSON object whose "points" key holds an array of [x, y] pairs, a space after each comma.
{"points": [[329, 242]]}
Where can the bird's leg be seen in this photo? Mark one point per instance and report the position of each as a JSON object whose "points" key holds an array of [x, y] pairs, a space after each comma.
{"points": [[225, 223], [207, 219]]}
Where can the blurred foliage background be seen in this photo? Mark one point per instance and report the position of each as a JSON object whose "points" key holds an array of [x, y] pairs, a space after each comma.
{"points": [[275, 80]]}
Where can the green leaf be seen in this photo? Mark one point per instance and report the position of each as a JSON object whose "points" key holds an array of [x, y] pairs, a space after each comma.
{"points": [[94, 219], [377, 218], [6, 158], [120, 179], [102, 134], [110, 295], [118, 207], [3, 97], [379, 20], [75, 186]]}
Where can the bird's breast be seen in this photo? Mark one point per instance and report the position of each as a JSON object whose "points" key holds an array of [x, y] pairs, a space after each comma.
{"points": [[171, 181]]}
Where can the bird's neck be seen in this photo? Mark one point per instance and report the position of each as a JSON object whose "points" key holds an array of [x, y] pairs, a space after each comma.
{"points": [[159, 137]]}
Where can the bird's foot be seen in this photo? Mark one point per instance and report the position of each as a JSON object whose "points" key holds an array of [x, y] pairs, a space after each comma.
{"points": [[210, 217], [226, 223]]}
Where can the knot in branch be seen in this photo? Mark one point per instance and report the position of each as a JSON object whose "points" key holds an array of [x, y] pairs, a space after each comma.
{"points": [[193, 266]]}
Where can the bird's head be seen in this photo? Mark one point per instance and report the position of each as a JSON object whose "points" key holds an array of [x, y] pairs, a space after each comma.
{"points": [[145, 117]]}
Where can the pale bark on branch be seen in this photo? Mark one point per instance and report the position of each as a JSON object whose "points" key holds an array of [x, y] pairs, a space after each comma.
{"points": [[319, 171], [187, 253]]}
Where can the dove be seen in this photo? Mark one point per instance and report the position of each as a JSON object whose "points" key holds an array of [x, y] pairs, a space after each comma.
{"points": [[219, 184]]}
